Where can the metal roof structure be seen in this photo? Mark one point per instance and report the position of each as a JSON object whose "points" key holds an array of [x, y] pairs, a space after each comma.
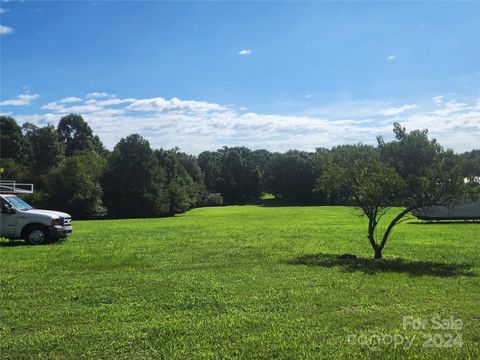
{"points": [[12, 187], [466, 210]]}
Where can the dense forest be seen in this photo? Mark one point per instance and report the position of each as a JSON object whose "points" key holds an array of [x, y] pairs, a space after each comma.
{"points": [[72, 171]]}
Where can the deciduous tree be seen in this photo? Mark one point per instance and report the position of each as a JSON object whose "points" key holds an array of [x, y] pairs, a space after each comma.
{"points": [[410, 172], [77, 136], [134, 181], [75, 187]]}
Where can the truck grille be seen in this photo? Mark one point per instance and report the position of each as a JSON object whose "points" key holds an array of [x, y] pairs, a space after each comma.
{"points": [[67, 221]]}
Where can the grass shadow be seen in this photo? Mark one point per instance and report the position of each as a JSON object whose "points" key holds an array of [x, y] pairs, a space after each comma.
{"points": [[13, 243], [284, 203], [444, 222], [371, 267]]}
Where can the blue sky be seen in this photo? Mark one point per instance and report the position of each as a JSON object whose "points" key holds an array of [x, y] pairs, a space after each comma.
{"points": [[275, 75]]}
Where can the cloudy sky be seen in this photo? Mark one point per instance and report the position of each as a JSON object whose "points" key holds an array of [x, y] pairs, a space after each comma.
{"points": [[268, 75]]}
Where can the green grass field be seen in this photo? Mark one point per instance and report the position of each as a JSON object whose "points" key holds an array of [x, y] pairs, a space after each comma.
{"points": [[240, 282]]}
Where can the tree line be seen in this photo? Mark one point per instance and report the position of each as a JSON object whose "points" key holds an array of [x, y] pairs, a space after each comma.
{"points": [[74, 172]]}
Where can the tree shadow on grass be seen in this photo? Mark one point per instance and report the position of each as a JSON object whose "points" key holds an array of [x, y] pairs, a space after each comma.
{"points": [[15, 243], [12, 243], [444, 222], [284, 203], [371, 267]]}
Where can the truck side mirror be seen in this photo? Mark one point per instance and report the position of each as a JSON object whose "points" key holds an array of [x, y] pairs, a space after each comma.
{"points": [[7, 209]]}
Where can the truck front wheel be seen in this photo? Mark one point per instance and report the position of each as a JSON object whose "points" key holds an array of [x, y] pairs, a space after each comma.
{"points": [[36, 235]]}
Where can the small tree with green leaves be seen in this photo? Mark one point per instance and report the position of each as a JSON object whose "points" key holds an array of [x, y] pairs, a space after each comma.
{"points": [[410, 172]]}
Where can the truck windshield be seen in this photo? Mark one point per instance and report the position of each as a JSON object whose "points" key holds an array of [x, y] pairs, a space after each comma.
{"points": [[19, 203]]}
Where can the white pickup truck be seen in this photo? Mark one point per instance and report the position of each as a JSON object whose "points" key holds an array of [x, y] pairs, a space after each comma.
{"points": [[18, 220]]}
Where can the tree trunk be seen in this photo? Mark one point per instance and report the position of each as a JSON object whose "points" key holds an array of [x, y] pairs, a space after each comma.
{"points": [[372, 225], [371, 233], [390, 228]]}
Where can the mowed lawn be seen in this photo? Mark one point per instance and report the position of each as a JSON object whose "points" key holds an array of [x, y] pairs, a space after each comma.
{"points": [[240, 282]]}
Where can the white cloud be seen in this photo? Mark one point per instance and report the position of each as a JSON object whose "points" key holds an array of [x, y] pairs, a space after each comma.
{"points": [[61, 108], [90, 105], [21, 100], [437, 99], [174, 104], [359, 109], [110, 102], [195, 131], [459, 130], [38, 119], [245, 52], [397, 110], [70, 99], [391, 57], [3, 10], [452, 107], [5, 30], [195, 125], [100, 95], [308, 96]]}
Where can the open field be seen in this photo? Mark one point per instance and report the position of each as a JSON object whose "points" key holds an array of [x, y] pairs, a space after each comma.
{"points": [[238, 282]]}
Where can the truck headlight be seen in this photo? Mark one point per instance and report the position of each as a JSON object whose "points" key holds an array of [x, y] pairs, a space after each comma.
{"points": [[56, 222]]}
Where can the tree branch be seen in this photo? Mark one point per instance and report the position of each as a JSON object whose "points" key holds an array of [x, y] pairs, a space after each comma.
{"points": [[391, 225]]}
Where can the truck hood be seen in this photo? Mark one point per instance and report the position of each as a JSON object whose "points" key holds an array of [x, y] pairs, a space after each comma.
{"points": [[51, 213]]}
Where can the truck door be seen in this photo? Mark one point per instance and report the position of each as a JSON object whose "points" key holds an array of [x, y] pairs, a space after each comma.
{"points": [[8, 222]]}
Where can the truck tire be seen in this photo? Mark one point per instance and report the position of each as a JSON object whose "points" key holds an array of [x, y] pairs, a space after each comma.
{"points": [[36, 235]]}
